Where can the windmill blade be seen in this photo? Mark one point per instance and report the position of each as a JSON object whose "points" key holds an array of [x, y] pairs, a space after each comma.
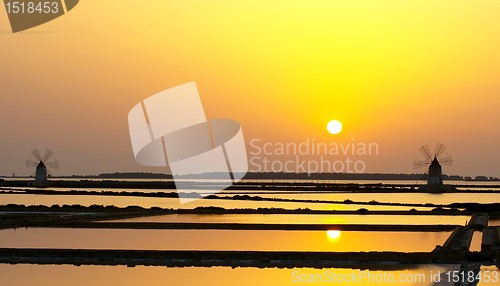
{"points": [[448, 161], [47, 155], [30, 163], [439, 150], [36, 154], [426, 151], [53, 164], [417, 164]]}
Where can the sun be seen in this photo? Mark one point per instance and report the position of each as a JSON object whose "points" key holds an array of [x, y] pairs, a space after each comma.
{"points": [[334, 127], [333, 234]]}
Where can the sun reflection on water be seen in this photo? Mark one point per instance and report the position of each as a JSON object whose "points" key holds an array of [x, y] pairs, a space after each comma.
{"points": [[334, 235]]}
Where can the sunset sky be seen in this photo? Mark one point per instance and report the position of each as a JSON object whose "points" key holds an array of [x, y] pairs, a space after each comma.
{"points": [[396, 73]]}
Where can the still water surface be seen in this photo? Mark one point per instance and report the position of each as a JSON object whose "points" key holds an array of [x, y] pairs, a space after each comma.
{"points": [[147, 202], [305, 219], [50, 275], [266, 240]]}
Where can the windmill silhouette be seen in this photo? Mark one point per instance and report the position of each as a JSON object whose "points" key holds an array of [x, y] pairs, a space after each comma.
{"points": [[41, 165], [434, 160]]}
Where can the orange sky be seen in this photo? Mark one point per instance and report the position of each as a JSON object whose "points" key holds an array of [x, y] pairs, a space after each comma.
{"points": [[398, 73]]}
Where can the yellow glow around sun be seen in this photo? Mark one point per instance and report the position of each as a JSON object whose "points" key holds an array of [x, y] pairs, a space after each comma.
{"points": [[334, 127], [333, 235]]}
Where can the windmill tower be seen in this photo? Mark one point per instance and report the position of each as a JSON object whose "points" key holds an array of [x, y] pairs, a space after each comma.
{"points": [[434, 160], [41, 165]]}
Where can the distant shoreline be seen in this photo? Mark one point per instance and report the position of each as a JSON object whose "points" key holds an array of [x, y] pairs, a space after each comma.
{"points": [[277, 176]]}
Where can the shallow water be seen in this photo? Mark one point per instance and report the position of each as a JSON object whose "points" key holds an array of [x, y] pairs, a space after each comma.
{"points": [[305, 219], [413, 198], [220, 276], [265, 240], [147, 202], [494, 222]]}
